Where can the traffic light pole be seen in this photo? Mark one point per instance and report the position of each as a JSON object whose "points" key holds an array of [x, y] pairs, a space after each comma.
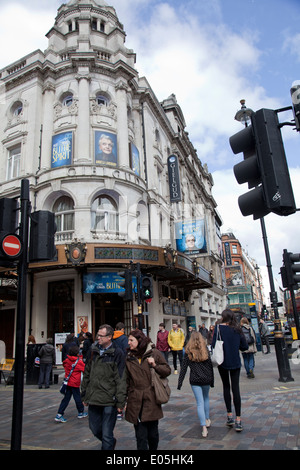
{"points": [[17, 418], [280, 346], [296, 314], [139, 301]]}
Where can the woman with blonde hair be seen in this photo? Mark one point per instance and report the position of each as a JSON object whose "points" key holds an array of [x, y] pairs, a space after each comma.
{"points": [[197, 358]]}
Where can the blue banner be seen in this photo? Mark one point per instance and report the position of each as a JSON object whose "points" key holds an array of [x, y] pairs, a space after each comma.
{"points": [[100, 283]]}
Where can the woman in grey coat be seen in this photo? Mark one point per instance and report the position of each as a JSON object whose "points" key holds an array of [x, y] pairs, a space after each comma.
{"points": [[47, 359]]}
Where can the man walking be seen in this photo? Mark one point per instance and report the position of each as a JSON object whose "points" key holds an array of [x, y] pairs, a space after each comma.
{"points": [[176, 342], [264, 333], [103, 386]]}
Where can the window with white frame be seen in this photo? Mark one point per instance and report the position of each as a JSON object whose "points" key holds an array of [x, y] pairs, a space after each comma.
{"points": [[64, 214], [105, 216], [13, 162]]}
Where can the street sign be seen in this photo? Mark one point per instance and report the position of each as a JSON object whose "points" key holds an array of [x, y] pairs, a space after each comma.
{"points": [[11, 245]]}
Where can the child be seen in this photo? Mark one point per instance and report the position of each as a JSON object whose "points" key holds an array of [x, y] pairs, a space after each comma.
{"points": [[73, 387]]}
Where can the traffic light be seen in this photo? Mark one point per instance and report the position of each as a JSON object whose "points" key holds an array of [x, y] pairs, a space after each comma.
{"points": [[264, 167], [42, 233], [127, 293], [9, 209], [295, 93], [146, 287], [290, 268], [8, 215]]}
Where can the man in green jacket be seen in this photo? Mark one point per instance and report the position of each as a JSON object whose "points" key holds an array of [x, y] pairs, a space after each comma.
{"points": [[103, 388]]}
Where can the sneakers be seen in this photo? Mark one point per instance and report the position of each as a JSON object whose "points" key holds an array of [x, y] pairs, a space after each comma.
{"points": [[60, 419], [175, 372], [238, 426], [82, 415], [230, 421], [119, 416]]}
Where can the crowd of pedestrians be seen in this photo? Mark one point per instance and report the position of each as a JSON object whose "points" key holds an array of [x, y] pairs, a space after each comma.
{"points": [[112, 375]]}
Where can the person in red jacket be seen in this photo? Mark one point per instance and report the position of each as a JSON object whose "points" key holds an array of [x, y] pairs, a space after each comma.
{"points": [[162, 341], [73, 387]]}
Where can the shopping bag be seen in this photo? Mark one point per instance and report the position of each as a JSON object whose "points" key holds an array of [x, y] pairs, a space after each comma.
{"points": [[217, 356]]}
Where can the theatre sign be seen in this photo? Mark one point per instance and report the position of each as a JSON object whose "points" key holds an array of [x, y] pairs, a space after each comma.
{"points": [[174, 181]]}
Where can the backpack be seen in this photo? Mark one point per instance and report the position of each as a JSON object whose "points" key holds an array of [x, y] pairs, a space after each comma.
{"points": [[248, 336]]}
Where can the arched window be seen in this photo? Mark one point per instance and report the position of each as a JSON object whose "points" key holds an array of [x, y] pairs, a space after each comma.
{"points": [[17, 108], [105, 215], [67, 99], [64, 214], [102, 99]]}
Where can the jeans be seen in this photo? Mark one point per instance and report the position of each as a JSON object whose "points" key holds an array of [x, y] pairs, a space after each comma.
{"points": [[175, 354], [44, 377], [201, 393], [75, 391], [165, 354], [102, 420], [146, 434], [248, 362], [233, 375]]}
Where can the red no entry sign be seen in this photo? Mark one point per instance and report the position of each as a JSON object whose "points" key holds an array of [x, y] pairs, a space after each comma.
{"points": [[11, 245]]}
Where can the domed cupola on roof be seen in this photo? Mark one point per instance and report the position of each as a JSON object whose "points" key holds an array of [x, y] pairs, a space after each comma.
{"points": [[89, 29]]}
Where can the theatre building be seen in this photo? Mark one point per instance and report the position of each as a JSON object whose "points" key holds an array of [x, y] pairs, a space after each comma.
{"points": [[119, 172]]}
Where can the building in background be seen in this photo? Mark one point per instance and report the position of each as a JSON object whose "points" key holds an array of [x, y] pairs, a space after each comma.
{"points": [[117, 168], [243, 278]]}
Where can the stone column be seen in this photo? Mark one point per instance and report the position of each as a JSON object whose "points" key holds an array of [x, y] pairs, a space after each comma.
{"points": [[122, 124], [47, 132], [83, 129]]}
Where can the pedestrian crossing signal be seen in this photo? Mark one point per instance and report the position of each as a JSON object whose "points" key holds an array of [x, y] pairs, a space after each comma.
{"points": [[146, 288]]}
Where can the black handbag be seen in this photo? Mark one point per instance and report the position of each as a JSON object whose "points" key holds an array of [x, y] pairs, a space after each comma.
{"points": [[63, 387]]}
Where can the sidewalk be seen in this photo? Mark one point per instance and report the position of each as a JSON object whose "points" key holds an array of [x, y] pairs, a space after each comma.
{"points": [[270, 417]]}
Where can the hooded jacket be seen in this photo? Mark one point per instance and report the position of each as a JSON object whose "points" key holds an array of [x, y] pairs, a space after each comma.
{"points": [[141, 403], [121, 340], [176, 339], [47, 354]]}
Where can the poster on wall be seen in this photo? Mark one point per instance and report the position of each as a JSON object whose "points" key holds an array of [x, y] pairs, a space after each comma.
{"points": [[134, 159], [234, 276], [62, 148], [190, 236], [106, 152], [82, 324]]}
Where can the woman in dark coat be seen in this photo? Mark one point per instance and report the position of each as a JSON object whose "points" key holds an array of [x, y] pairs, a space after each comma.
{"points": [[142, 409]]}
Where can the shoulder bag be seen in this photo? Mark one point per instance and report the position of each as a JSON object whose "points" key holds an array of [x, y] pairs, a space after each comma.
{"points": [[63, 387], [161, 388], [217, 356]]}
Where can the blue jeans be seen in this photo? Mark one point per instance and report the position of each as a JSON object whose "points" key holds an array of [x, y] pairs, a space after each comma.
{"points": [[44, 377], [201, 393], [102, 420], [75, 391], [248, 361]]}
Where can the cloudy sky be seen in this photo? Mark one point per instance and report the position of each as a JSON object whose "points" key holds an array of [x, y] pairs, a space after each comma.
{"points": [[210, 54]]}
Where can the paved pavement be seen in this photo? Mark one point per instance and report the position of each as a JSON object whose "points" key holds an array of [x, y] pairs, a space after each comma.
{"points": [[270, 417]]}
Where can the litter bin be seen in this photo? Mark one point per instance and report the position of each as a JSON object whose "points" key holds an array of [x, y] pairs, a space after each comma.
{"points": [[32, 371], [289, 342]]}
